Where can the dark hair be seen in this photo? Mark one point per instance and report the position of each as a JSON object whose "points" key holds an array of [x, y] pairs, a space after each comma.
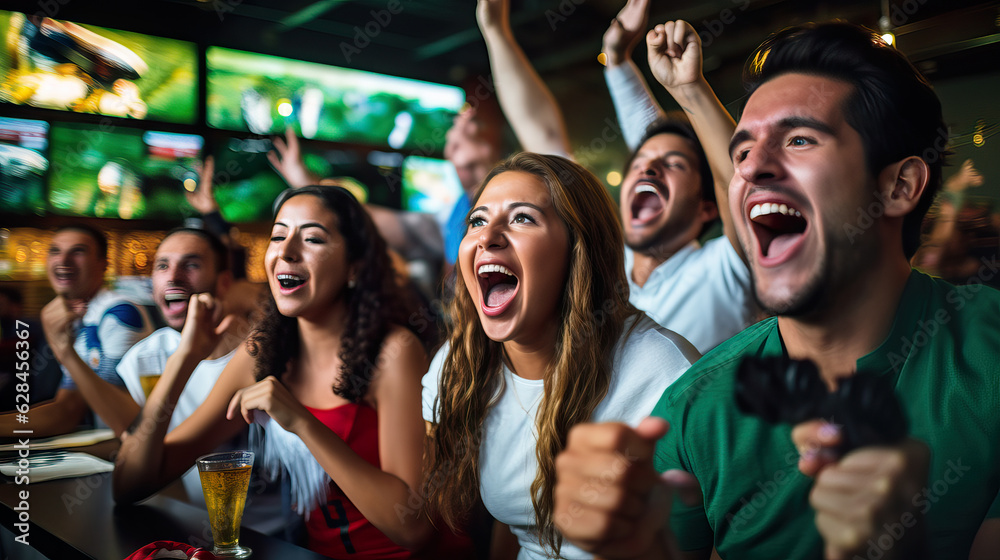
{"points": [[372, 304], [676, 123], [215, 244], [99, 238], [892, 107]]}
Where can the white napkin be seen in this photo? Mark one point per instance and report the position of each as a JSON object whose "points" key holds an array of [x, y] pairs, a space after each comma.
{"points": [[45, 467], [76, 439]]}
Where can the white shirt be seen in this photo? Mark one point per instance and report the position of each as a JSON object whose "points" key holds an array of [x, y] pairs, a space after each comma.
{"points": [[701, 293], [644, 365], [149, 356]]}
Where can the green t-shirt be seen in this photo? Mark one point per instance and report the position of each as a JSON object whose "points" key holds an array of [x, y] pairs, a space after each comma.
{"points": [[943, 355]]}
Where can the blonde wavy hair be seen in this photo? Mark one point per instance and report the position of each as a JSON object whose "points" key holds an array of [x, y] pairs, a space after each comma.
{"points": [[593, 312]]}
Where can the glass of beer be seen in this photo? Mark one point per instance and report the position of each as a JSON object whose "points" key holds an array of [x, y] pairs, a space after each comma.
{"points": [[148, 382], [225, 479]]}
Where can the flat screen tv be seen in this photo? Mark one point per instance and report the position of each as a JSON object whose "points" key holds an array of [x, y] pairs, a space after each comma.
{"points": [[57, 64], [121, 172], [264, 94], [23, 163], [429, 185]]}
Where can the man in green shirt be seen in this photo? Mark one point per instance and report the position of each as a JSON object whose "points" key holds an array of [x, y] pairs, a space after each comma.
{"points": [[837, 156]]}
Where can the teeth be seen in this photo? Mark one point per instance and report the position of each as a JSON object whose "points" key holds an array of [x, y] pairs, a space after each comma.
{"points": [[288, 277], [486, 268], [771, 208], [175, 297], [645, 189]]}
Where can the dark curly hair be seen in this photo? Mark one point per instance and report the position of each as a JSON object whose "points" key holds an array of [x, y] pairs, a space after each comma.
{"points": [[373, 306]]}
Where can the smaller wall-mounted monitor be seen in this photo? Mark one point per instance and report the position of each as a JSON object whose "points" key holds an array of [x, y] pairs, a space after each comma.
{"points": [[265, 94], [122, 173], [429, 185], [55, 64], [23, 163], [245, 183]]}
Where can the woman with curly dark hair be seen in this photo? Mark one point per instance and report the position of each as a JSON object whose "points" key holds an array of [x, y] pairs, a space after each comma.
{"points": [[330, 374]]}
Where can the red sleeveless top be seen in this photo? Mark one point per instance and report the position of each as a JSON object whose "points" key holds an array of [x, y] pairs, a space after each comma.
{"points": [[337, 529]]}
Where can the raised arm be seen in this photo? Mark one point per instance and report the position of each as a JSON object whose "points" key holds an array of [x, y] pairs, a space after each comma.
{"points": [[526, 102], [149, 458], [675, 58], [635, 106], [383, 495], [110, 402]]}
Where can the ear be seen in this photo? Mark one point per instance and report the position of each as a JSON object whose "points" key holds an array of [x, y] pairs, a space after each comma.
{"points": [[901, 184], [709, 211]]}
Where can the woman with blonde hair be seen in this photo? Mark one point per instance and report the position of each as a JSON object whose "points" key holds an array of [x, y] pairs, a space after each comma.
{"points": [[542, 338]]}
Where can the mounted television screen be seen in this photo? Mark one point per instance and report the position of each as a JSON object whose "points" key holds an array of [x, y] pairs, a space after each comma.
{"points": [[429, 185], [122, 173], [264, 94], [245, 183], [57, 64], [22, 165]]}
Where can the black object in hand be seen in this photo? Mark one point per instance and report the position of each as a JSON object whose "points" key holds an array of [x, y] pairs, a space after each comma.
{"points": [[783, 390]]}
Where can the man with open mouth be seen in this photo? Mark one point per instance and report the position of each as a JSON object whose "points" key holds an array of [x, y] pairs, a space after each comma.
{"points": [[837, 122], [673, 189], [89, 328]]}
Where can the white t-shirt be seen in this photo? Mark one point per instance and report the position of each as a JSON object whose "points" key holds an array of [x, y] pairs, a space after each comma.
{"points": [[149, 356], [701, 293], [644, 365]]}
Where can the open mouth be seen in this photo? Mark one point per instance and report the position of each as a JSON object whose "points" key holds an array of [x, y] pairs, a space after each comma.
{"points": [[65, 275], [778, 228], [647, 201], [289, 282], [498, 285], [176, 300]]}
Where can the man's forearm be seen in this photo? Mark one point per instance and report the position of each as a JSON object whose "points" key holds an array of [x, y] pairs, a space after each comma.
{"points": [[111, 403]]}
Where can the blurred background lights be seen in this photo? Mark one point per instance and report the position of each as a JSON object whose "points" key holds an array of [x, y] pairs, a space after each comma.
{"points": [[284, 107], [614, 178]]}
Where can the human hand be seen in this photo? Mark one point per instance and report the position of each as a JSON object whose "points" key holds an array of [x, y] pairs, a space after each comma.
{"points": [[675, 56], [865, 494], [203, 197], [205, 324], [58, 318], [967, 176], [286, 158], [609, 499], [493, 15], [625, 31], [270, 397]]}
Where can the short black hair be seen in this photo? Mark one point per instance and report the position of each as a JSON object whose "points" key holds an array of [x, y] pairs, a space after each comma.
{"points": [[892, 107], [219, 249], [677, 123], [98, 236]]}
